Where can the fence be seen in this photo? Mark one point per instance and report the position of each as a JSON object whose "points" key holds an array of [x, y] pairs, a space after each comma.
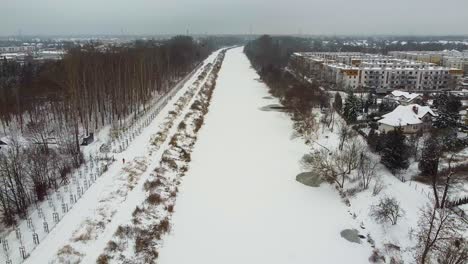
{"points": [[17, 245]]}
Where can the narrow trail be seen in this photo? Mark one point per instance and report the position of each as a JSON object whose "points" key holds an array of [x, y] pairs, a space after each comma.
{"points": [[239, 201]]}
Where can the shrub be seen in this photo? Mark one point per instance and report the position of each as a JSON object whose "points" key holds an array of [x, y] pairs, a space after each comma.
{"points": [[185, 155], [183, 169], [154, 199], [170, 208], [137, 211], [196, 105], [103, 259], [142, 242], [387, 210], [378, 187], [376, 257], [182, 125], [173, 141], [169, 161], [198, 123], [151, 185], [164, 226], [123, 231], [111, 246]]}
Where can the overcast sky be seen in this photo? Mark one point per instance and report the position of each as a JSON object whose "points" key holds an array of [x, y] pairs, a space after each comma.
{"points": [[58, 17]]}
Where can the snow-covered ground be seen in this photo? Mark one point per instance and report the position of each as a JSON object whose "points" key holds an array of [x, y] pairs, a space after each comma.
{"points": [[85, 229], [239, 202]]}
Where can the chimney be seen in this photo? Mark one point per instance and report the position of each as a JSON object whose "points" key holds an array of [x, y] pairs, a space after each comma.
{"points": [[415, 109]]}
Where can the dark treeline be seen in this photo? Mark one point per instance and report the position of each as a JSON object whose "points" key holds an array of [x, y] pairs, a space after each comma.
{"points": [[57, 102], [269, 55], [384, 45], [286, 45], [268, 52]]}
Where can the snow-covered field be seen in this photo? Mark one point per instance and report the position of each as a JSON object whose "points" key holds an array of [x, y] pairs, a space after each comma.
{"points": [[239, 201]]}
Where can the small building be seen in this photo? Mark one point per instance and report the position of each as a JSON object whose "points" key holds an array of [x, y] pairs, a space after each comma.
{"points": [[411, 118], [88, 140], [403, 98]]}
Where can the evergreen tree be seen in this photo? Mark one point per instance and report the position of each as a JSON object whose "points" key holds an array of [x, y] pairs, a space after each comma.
{"points": [[386, 107], [429, 163], [372, 139], [338, 102], [351, 108], [395, 150], [448, 107], [368, 102]]}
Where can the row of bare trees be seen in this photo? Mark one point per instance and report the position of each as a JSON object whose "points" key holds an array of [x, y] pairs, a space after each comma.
{"points": [[50, 106], [27, 172]]}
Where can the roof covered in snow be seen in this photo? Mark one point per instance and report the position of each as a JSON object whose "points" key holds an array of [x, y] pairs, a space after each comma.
{"points": [[403, 95], [405, 115]]}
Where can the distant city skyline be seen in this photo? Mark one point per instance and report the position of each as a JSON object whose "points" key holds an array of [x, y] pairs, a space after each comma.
{"points": [[308, 17]]}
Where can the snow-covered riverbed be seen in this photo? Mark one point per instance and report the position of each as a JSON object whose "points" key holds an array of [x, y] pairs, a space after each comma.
{"points": [[239, 201]]}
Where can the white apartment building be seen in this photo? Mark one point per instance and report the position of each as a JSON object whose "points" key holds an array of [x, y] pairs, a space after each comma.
{"points": [[14, 49], [378, 72], [448, 58]]}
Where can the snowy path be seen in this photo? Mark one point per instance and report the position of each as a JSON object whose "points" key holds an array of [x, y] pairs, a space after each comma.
{"points": [[239, 202], [112, 198]]}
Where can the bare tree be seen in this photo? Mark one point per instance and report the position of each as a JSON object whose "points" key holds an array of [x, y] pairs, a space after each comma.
{"points": [[387, 210], [306, 125], [344, 132], [351, 154], [429, 166], [454, 253], [332, 166], [38, 133], [440, 236], [366, 170]]}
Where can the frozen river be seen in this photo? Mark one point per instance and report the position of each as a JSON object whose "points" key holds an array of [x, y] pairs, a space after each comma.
{"points": [[239, 202]]}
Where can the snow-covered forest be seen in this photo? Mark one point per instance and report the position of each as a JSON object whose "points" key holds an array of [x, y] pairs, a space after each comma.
{"points": [[48, 108]]}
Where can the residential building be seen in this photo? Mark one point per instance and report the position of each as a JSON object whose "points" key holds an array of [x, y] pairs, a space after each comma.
{"points": [[448, 58], [411, 118], [377, 72], [402, 98]]}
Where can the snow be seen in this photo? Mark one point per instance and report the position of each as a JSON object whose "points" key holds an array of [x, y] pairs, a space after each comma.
{"points": [[110, 200], [239, 201], [404, 95], [411, 195], [406, 115]]}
